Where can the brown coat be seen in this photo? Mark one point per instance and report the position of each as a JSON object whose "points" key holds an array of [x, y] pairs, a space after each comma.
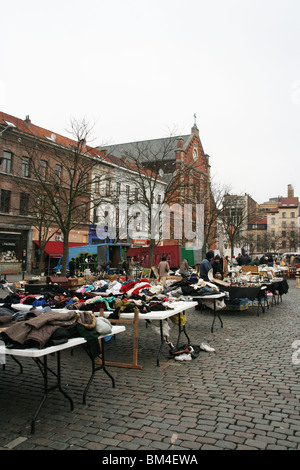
{"points": [[40, 328]]}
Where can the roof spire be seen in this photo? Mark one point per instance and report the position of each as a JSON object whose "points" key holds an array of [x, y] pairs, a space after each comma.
{"points": [[195, 128]]}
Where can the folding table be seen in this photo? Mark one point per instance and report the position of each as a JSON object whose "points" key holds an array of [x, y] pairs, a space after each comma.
{"points": [[38, 354], [213, 297], [176, 308]]}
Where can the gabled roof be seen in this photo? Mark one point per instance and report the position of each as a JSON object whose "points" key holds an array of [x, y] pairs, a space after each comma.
{"points": [[286, 202], [258, 221], [155, 146], [29, 128], [165, 146], [41, 133], [121, 163]]}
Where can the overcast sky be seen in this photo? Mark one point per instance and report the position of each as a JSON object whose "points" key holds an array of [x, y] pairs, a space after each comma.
{"points": [[140, 69]]}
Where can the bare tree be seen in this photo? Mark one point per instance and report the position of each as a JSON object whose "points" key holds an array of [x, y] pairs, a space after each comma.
{"points": [[289, 236], [156, 182], [214, 204], [234, 217], [44, 223], [62, 174]]}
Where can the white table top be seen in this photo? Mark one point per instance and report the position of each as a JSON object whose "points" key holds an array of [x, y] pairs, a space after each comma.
{"points": [[25, 307], [35, 352], [219, 295], [176, 307]]}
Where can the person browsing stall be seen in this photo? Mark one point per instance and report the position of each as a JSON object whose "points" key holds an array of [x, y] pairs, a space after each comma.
{"points": [[184, 268], [206, 265], [217, 266], [163, 270]]}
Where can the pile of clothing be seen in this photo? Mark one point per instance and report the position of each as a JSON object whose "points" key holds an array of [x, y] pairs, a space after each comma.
{"points": [[46, 327]]}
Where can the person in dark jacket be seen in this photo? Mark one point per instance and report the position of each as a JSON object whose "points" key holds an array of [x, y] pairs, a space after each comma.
{"points": [[245, 260], [206, 265], [72, 267], [263, 260], [217, 266]]}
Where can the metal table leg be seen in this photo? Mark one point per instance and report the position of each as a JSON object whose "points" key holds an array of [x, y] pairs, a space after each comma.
{"points": [[96, 368], [216, 315], [43, 366]]}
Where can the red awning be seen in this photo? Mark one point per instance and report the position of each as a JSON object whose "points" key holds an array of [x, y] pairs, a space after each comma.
{"points": [[55, 249]]}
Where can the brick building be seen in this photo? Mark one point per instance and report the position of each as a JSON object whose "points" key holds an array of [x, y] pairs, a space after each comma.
{"points": [[32, 157], [30, 154], [283, 223], [183, 154]]}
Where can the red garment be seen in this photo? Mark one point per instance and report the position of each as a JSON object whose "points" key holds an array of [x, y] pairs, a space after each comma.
{"points": [[130, 284]]}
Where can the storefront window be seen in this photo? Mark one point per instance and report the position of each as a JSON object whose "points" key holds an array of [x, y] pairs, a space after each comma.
{"points": [[10, 247]]}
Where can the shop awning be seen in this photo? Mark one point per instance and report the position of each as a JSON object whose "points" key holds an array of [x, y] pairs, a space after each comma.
{"points": [[55, 249]]}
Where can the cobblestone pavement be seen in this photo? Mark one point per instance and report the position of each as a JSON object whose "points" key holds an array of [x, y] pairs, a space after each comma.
{"points": [[243, 396]]}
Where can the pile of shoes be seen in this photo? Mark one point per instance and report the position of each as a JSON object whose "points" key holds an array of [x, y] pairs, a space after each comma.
{"points": [[189, 352], [206, 347]]}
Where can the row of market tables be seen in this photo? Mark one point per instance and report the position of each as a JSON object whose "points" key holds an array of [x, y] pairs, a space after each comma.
{"points": [[277, 288]]}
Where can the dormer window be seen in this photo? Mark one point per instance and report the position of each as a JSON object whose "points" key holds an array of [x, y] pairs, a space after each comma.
{"points": [[10, 124]]}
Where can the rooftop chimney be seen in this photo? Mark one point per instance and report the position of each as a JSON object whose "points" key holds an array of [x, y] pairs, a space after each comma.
{"points": [[179, 142], [27, 120], [290, 191]]}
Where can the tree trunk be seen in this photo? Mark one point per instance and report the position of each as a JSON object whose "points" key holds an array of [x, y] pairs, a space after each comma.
{"points": [[151, 252], [65, 254], [41, 265]]}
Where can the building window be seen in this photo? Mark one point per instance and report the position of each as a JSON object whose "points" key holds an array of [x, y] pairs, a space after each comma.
{"points": [[108, 186], [118, 189], [273, 220], [127, 190], [24, 203], [25, 167], [293, 215], [43, 170], [40, 208], [6, 164], [5, 201], [57, 174], [95, 216], [284, 215], [97, 185], [85, 210], [84, 182], [71, 177], [136, 195], [284, 224]]}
